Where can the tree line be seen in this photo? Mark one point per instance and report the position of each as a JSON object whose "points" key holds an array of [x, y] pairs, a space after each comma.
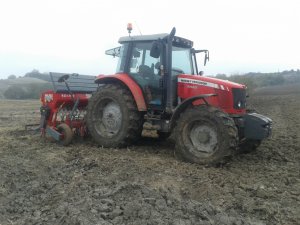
{"points": [[28, 90], [252, 80], [256, 80]]}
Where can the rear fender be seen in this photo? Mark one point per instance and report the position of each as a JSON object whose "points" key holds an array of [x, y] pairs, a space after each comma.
{"points": [[184, 105], [127, 81]]}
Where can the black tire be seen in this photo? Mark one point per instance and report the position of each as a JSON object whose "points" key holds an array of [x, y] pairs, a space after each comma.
{"points": [[205, 135], [163, 135], [67, 132], [113, 119], [248, 146]]}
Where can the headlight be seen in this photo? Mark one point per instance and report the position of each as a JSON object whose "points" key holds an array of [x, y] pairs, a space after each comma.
{"points": [[239, 98], [239, 104]]}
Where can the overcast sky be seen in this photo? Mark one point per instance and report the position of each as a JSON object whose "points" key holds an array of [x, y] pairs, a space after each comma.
{"points": [[72, 35]]}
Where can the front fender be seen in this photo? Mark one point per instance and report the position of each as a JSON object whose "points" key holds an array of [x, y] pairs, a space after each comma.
{"points": [[187, 102], [127, 81]]}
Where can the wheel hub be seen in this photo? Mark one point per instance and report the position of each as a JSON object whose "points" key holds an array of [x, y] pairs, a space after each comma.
{"points": [[112, 118], [204, 138]]}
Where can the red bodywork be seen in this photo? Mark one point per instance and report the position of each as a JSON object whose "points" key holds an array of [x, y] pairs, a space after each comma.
{"points": [[188, 86], [193, 85], [62, 102]]}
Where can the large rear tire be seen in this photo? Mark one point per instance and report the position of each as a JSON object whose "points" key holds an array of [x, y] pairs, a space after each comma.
{"points": [[113, 119], [205, 135]]}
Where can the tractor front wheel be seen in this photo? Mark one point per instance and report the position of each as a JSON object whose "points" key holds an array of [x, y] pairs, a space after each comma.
{"points": [[205, 135]]}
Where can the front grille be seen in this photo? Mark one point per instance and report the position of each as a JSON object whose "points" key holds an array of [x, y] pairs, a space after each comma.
{"points": [[239, 98]]}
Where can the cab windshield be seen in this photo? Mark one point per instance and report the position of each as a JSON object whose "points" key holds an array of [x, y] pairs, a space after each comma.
{"points": [[181, 61]]}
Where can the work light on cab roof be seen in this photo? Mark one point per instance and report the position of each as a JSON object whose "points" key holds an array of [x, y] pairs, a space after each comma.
{"points": [[129, 28]]}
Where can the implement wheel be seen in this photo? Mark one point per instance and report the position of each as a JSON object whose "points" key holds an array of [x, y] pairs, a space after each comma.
{"points": [[67, 134], [113, 118], [205, 135]]}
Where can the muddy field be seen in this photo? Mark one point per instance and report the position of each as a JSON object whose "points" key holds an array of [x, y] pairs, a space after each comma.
{"points": [[43, 183]]}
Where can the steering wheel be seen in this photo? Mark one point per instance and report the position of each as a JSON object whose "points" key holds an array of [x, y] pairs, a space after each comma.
{"points": [[148, 76], [146, 72]]}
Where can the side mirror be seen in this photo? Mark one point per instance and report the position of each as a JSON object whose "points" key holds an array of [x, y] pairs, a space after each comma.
{"points": [[155, 49], [206, 58]]}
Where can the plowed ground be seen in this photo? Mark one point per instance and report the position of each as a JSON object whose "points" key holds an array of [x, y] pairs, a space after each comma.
{"points": [[43, 183]]}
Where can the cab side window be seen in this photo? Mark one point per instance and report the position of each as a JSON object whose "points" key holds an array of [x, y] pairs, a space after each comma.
{"points": [[144, 70], [141, 61]]}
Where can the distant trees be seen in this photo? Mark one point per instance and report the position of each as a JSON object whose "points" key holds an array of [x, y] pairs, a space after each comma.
{"points": [[28, 91], [12, 77], [25, 90], [249, 81], [255, 80], [252, 80], [15, 92], [36, 74]]}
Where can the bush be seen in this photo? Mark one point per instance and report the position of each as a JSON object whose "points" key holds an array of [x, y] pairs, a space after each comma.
{"points": [[29, 91], [11, 77], [15, 92]]}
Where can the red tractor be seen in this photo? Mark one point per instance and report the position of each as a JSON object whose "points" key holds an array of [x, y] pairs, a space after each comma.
{"points": [[157, 82]]}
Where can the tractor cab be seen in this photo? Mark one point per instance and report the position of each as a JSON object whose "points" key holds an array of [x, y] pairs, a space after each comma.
{"points": [[154, 63]]}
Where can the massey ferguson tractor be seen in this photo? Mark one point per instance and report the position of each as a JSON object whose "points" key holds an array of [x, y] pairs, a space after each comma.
{"points": [[157, 82]]}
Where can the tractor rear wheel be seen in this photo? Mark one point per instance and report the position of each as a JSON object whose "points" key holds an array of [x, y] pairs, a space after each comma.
{"points": [[67, 133], [205, 135], [113, 119]]}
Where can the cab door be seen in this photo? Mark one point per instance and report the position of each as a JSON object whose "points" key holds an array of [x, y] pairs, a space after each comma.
{"points": [[144, 69]]}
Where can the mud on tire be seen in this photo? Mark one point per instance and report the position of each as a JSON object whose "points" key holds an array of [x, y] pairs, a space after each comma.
{"points": [[113, 119], [205, 135]]}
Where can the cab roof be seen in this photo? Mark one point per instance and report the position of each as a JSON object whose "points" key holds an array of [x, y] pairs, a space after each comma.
{"points": [[177, 41], [151, 37]]}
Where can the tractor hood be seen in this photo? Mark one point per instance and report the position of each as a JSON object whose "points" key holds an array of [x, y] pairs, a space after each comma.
{"points": [[209, 82], [229, 96]]}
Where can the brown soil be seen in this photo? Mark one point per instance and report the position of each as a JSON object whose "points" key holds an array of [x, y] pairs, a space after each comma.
{"points": [[43, 183]]}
